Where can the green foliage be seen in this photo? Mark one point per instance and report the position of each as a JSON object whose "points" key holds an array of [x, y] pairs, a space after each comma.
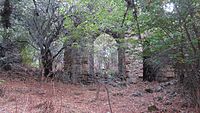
{"points": [[26, 56], [97, 15], [2, 81], [166, 31], [152, 108]]}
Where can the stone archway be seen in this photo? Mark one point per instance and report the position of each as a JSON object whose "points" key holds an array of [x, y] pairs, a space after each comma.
{"points": [[119, 67], [105, 55]]}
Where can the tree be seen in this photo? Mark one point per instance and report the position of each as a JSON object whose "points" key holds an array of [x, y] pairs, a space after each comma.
{"points": [[44, 22], [173, 38]]}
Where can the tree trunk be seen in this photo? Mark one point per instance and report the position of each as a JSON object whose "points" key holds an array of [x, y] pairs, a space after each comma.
{"points": [[47, 62]]}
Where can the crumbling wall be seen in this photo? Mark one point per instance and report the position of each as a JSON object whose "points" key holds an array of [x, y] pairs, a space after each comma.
{"points": [[76, 63], [134, 62]]}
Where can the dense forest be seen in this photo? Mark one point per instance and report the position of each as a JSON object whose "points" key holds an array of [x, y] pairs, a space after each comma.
{"points": [[99, 56]]}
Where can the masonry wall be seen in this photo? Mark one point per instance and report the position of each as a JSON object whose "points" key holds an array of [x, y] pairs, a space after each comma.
{"points": [[134, 63]]}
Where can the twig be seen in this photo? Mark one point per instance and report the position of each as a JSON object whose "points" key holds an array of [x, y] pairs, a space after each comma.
{"points": [[53, 88], [25, 105], [61, 105], [108, 95], [15, 104], [98, 90], [109, 102]]}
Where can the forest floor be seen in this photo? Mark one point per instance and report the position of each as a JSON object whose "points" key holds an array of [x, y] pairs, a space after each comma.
{"points": [[25, 94]]}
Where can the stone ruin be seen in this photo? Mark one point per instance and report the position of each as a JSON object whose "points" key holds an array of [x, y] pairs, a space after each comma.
{"points": [[77, 63]]}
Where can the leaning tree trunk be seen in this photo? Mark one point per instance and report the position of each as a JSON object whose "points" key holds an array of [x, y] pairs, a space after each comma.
{"points": [[47, 62]]}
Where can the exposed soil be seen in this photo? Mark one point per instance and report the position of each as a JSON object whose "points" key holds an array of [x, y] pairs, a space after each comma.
{"points": [[24, 94]]}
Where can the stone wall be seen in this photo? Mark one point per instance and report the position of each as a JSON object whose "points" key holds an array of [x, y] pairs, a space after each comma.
{"points": [[134, 63], [165, 73], [134, 66], [76, 63]]}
